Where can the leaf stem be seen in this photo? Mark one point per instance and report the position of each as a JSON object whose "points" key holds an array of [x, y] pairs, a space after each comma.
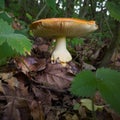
{"points": [[25, 64], [93, 109]]}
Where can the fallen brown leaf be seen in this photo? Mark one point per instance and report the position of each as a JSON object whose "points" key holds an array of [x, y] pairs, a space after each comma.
{"points": [[55, 75], [36, 110]]}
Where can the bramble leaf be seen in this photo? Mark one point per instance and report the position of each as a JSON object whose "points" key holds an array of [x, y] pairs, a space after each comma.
{"points": [[5, 28], [4, 54], [84, 84], [106, 81], [5, 16], [20, 43], [12, 44], [114, 10], [109, 86]]}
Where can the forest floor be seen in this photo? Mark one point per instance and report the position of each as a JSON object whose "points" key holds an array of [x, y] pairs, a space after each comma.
{"points": [[32, 88]]}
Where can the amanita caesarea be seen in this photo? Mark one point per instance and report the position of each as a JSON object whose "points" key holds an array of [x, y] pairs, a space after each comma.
{"points": [[59, 29]]}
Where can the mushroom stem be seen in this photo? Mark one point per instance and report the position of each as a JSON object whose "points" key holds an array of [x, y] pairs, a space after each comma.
{"points": [[60, 43], [61, 54]]}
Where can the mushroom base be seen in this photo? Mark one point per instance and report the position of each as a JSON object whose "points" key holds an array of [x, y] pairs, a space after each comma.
{"points": [[61, 54]]}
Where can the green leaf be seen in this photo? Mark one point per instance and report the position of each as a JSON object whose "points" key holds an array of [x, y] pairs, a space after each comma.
{"points": [[114, 10], [109, 86], [12, 44], [29, 16], [51, 4], [2, 40], [4, 48], [19, 43], [107, 81], [5, 16], [84, 84], [77, 41], [4, 54], [5, 28]]}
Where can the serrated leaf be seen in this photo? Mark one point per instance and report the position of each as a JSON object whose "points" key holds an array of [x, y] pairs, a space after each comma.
{"points": [[3, 50], [11, 43], [4, 54], [109, 86], [5, 16], [5, 28], [107, 81], [114, 10], [20, 43], [84, 84]]}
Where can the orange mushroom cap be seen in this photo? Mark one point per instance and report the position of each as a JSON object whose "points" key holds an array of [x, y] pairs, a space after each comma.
{"points": [[68, 27]]}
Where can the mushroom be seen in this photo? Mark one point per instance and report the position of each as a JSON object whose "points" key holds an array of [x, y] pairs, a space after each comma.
{"points": [[59, 29]]}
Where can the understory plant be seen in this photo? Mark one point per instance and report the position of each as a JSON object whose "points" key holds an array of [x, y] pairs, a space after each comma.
{"points": [[104, 80], [114, 9], [12, 44]]}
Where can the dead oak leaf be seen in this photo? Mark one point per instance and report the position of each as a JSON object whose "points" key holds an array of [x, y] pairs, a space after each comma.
{"points": [[30, 64], [55, 75]]}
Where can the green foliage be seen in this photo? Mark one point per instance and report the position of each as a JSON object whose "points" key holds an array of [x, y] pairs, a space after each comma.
{"points": [[14, 8], [2, 4], [109, 86], [5, 16], [76, 41], [114, 10], [51, 4], [29, 16], [12, 44], [84, 84], [106, 81], [25, 28]]}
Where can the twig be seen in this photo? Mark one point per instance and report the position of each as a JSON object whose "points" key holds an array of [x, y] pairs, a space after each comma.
{"points": [[40, 12], [20, 98]]}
